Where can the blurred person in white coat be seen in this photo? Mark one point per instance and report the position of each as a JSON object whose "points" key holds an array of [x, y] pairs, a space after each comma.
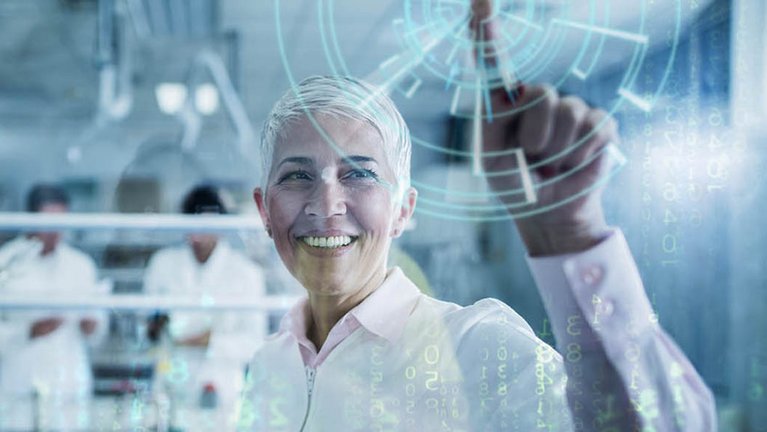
{"points": [[45, 376], [214, 346]]}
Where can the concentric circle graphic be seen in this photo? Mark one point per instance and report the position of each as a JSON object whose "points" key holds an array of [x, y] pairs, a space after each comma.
{"points": [[563, 43]]}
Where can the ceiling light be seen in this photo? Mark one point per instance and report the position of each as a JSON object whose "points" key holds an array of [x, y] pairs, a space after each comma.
{"points": [[206, 99], [170, 97]]}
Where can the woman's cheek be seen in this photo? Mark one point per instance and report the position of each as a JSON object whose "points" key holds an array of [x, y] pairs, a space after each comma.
{"points": [[282, 213], [373, 209], [282, 204]]}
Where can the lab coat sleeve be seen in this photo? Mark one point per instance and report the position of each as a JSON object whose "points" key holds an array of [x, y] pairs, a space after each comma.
{"points": [[91, 286], [622, 368], [513, 381], [14, 330], [153, 275], [164, 275]]}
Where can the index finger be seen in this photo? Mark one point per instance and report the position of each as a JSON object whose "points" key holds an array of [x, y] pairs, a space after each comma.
{"points": [[482, 9], [484, 24]]}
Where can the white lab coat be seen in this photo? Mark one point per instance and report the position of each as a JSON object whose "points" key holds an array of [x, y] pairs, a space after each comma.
{"points": [[54, 366], [235, 335], [416, 363], [434, 366]]}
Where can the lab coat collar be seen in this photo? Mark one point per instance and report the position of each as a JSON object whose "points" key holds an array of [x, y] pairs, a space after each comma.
{"points": [[386, 310], [217, 257], [296, 320], [383, 313]]}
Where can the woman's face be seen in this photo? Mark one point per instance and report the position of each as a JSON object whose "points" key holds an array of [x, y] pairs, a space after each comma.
{"points": [[331, 213]]}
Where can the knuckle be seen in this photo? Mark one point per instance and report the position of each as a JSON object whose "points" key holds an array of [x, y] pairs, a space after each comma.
{"points": [[592, 121], [613, 126], [569, 112], [588, 125], [608, 126], [573, 101], [602, 116], [549, 97]]}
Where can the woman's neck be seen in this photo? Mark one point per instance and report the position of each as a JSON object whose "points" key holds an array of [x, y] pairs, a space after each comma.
{"points": [[327, 310]]}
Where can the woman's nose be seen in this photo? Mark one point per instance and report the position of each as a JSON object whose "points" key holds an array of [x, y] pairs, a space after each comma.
{"points": [[327, 199]]}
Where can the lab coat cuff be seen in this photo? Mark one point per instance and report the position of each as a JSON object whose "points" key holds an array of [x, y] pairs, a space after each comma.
{"points": [[594, 295]]}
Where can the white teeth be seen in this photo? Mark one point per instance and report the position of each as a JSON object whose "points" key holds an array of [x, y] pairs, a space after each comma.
{"points": [[327, 242]]}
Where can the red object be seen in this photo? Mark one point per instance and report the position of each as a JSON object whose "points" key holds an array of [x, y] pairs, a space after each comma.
{"points": [[209, 388]]}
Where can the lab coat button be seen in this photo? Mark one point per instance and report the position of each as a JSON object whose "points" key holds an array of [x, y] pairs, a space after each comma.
{"points": [[592, 275], [609, 307]]}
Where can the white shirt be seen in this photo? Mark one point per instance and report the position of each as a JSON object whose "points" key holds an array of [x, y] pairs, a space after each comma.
{"points": [[405, 361], [57, 363], [234, 335]]}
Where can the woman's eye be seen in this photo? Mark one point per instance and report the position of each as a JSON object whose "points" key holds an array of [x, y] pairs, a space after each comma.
{"points": [[362, 173], [295, 175]]}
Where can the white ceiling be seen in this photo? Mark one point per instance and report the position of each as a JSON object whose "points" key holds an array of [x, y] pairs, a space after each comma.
{"points": [[47, 48], [48, 77]]}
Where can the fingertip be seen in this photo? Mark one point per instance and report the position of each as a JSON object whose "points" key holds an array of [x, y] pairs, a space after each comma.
{"points": [[481, 9]]}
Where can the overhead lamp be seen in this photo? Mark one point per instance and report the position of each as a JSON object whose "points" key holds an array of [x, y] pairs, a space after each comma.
{"points": [[170, 97], [206, 99]]}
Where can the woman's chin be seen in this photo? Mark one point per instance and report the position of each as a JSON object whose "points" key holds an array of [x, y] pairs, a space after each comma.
{"points": [[323, 277], [326, 285], [324, 263]]}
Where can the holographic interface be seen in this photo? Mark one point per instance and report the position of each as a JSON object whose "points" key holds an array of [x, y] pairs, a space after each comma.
{"points": [[537, 41]]}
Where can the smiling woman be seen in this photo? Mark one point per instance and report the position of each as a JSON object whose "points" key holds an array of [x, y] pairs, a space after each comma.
{"points": [[332, 199], [331, 211], [366, 351]]}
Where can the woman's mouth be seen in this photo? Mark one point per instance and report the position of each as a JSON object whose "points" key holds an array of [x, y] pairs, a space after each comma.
{"points": [[332, 242]]}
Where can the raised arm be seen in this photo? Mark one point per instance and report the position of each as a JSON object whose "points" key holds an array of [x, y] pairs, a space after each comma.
{"points": [[624, 372]]}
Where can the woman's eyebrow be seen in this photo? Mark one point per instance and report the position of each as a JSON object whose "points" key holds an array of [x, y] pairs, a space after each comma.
{"points": [[300, 160], [355, 159]]}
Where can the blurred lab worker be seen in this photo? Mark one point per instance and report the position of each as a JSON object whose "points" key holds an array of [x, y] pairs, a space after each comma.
{"points": [[217, 344], [45, 376]]}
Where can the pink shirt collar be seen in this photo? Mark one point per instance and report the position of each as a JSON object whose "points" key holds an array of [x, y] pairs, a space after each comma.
{"points": [[383, 313]]}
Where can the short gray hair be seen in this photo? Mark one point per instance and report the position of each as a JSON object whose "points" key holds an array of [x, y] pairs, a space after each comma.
{"points": [[341, 97]]}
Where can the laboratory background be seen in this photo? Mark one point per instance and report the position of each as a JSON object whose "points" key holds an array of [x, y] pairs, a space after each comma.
{"points": [[129, 135]]}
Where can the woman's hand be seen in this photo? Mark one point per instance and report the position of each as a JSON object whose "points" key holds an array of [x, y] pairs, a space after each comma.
{"points": [[545, 126], [575, 137], [88, 326], [44, 327], [200, 340]]}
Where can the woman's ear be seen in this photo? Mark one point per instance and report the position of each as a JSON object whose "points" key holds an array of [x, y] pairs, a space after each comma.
{"points": [[260, 198], [405, 211]]}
